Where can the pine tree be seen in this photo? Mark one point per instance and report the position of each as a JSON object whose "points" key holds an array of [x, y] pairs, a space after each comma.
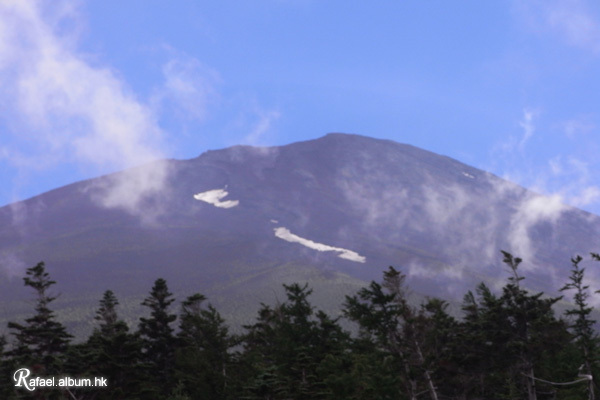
{"points": [[384, 316], [481, 346], [202, 357], [107, 314], [157, 336], [7, 369], [437, 332], [286, 346], [42, 341], [582, 327], [114, 353], [531, 327]]}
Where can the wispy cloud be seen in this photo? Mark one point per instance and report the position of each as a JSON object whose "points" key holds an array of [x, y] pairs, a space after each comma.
{"points": [[563, 180], [189, 87], [528, 128], [531, 211], [576, 22], [577, 186], [70, 109], [262, 126], [581, 125], [515, 144], [466, 216]]}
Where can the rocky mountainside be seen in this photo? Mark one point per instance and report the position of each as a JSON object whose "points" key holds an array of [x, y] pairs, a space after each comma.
{"points": [[335, 212]]}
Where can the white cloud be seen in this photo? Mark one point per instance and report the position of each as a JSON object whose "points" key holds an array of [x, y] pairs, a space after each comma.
{"points": [[578, 176], [444, 204], [528, 128], [512, 149], [576, 22], [254, 124], [188, 89], [586, 196], [531, 211], [262, 126], [12, 265], [72, 110], [578, 126]]}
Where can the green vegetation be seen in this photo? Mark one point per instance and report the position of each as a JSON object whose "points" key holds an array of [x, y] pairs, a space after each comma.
{"points": [[507, 345]]}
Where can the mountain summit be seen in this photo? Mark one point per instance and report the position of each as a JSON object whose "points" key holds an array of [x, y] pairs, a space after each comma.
{"points": [[335, 211]]}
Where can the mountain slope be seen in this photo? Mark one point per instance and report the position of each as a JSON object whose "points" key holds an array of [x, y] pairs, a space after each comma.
{"points": [[335, 211]]}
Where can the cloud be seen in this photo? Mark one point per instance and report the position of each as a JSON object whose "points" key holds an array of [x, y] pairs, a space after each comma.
{"points": [[59, 106], [467, 217], [12, 264], [528, 128], [531, 211], [255, 124], [375, 200], [576, 181], [262, 126], [188, 88], [568, 176], [574, 21], [576, 127], [512, 149]]}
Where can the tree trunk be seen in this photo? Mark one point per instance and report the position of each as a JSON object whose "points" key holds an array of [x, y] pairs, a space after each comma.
{"points": [[591, 394], [531, 390], [428, 379], [413, 385]]}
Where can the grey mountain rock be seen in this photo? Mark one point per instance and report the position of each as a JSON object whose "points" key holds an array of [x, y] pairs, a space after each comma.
{"points": [[335, 211]]}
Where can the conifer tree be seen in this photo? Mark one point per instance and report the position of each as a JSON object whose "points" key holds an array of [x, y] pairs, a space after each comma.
{"points": [[202, 357], [582, 326], [531, 326], [7, 368], [384, 315], [437, 332], [481, 351], [286, 346], [157, 336], [42, 341], [114, 353], [107, 314]]}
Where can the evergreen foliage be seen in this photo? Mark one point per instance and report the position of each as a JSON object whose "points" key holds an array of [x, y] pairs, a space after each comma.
{"points": [[42, 341], [508, 345], [115, 353], [396, 328], [286, 347], [202, 356], [582, 326], [158, 340]]}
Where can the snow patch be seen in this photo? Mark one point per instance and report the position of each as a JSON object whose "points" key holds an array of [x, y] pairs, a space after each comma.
{"points": [[285, 234], [274, 221], [214, 197], [468, 175]]}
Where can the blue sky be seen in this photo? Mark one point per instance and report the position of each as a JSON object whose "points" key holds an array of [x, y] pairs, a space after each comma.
{"points": [[91, 87]]}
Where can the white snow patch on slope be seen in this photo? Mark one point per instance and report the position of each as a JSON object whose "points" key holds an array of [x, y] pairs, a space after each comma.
{"points": [[285, 234], [214, 197], [468, 175]]}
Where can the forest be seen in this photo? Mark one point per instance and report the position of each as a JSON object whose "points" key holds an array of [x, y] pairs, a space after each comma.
{"points": [[506, 345]]}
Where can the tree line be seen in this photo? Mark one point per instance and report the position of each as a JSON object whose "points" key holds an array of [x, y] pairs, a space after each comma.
{"points": [[507, 345]]}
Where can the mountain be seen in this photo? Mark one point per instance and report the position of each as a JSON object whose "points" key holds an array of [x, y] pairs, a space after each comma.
{"points": [[334, 212]]}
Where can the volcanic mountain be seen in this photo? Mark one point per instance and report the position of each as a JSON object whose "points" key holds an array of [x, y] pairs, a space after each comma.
{"points": [[236, 223]]}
